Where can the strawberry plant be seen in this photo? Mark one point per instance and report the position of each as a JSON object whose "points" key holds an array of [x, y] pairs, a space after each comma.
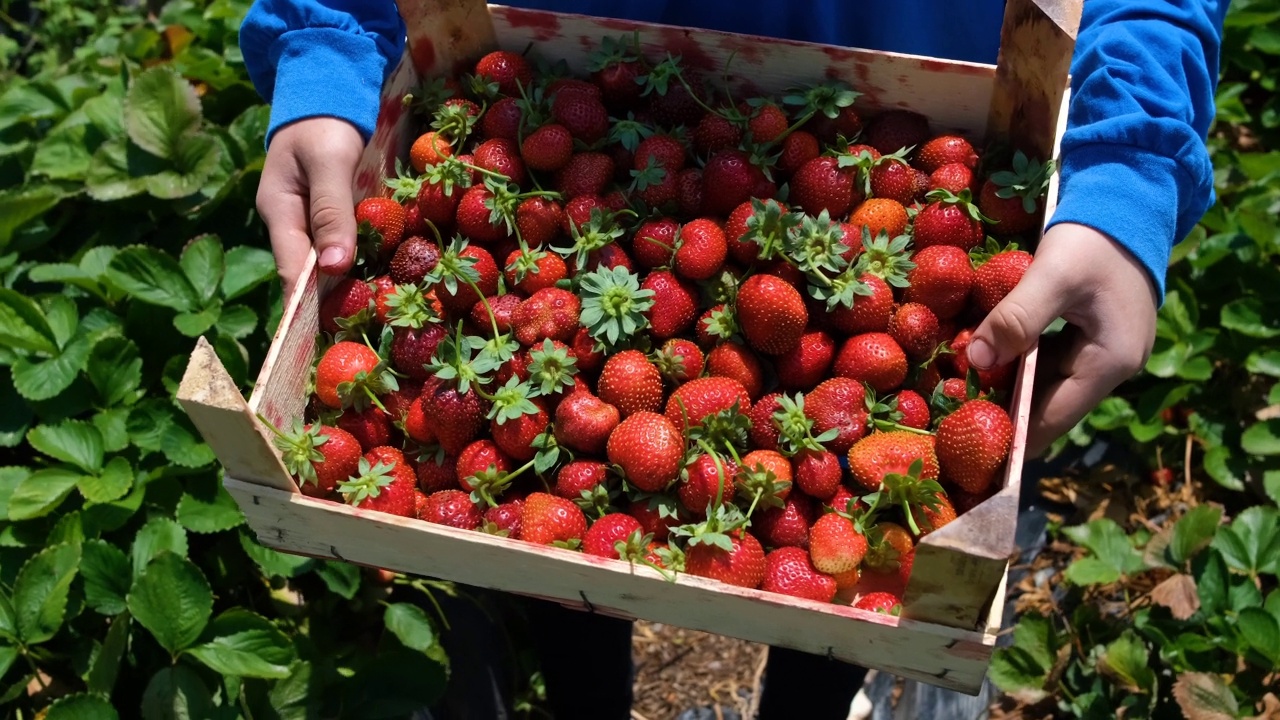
{"points": [[130, 146]]}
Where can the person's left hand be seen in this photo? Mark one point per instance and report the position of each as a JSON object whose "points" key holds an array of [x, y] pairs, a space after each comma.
{"points": [[1109, 302]]}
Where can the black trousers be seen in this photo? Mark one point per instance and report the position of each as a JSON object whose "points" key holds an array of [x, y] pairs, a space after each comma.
{"points": [[496, 641]]}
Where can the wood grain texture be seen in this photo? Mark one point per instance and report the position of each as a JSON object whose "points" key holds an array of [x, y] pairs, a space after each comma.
{"points": [[297, 524], [447, 35], [213, 402]]}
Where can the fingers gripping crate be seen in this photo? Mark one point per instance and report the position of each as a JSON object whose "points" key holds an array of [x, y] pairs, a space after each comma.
{"points": [[952, 607]]}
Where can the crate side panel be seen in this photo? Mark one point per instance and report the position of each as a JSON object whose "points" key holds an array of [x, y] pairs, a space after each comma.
{"points": [[956, 96], [295, 523]]}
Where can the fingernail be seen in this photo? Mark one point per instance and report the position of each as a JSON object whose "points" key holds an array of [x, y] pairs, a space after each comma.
{"points": [[981, 354], [331, 257]]}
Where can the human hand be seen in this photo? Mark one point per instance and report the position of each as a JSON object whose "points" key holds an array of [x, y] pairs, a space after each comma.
{"points": [[305, 194], [1109, 303]]}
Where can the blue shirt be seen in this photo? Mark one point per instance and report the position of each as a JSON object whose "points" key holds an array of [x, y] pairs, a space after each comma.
{"points": [[1133, 160]]}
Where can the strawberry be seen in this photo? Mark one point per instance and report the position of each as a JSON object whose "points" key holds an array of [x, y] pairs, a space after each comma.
{"points": [[689, 191], [836, 546], [574, 87], [319, 456], [582, 114], [828, 129], [949, 219], [578, 212], [664, 151], [584, 422], [348, 373], [880, 602], [701, 249], [587, 173], [871, 311], [973, 443], [495, 310], [716, 132], [764, 431], [673, 105], [474, 217], [532, 270], [915, 328], [539, 220], [844, 500], [657, 516], [602, 538], [675, 304], [503, 119], [350, 300], [654, 243], [893, 179], [897, 129], [933, 516], [631, 383], [730, 179], [398, 402], [580, 478], [381, 220], [615, 69], [381, 487], [679, 360], [524, 421], [941, 280], [817, 473], [914, 409], [649, 449], [741, 247], [880, 215], [821, 184], [893, 452], [807, 364], [503, 157], [734, 360], [786, 526], [998, 378], [996, 278], [584, 349], [413, 259], [873, 358], [452, 508], [742, 565], [1012, 198], [511, 71], [547, 519], [693, 401], [765, 476], [478, 458], [383, 287], [550, 313], [438, 473], [953, 178], [789, 571], [481, 262], [431, 148], [504, 518], [548, 148], [946, 150], [771, 313], [797, 149], [706, 478], [370, 427], [838, 404], [455, 418], [890, 555]]}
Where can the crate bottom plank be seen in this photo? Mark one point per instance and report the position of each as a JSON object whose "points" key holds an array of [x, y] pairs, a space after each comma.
{"points": [[294, 523]]}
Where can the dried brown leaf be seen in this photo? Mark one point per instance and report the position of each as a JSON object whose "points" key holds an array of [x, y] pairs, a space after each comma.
{"points": [[1203, 696], [1270, 708], [1178, 593]]}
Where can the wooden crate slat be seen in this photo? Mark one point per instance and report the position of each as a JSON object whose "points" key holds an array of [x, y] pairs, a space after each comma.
{"points": [[1036, 45], [299, 524]]}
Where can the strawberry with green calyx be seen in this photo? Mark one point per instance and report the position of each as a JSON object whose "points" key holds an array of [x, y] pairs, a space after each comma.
{"points": [[913, 493], [648, 449], [615, 67], [707, 479], [456, 120], [885, 603], [457, 362], [771, 313], [679, 360], [532, 270], [407, 307], [720, 548], [551, 370], [607, 536], [674, 100], [513, 401], [600, 230], [816, 247], [504, 519], [890, 553], [886, 258], [764, 478], [769, 227], [717, 325], [539, 220], [413, 260], [972, 444], [1012, 197], [548, 453], [996, 272], [795, 428], [881, 415], [613, 305], [836, 544], [950, 219], [381, 487], [463, 276], [652, 183], [827, 108], [698, 400], [629, 133], [452, 508], [318, 456], [482, 468], [551, 520], [823, 184], [380, 226], [636, 546], [884, 176], [893, 452], [349, 310], [430, 148], [351, 374], [586, 482], [723, 430]]}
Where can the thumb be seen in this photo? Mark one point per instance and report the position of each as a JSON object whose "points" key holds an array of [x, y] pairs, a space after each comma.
{"points": [[1016, 323], [330, 161]]}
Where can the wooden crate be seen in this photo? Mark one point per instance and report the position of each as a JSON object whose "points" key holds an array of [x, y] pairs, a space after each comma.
{"points": [[952, 608]]}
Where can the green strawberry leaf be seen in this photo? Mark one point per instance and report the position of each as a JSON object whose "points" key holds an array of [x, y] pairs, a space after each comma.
{"points": [[173, 600]]}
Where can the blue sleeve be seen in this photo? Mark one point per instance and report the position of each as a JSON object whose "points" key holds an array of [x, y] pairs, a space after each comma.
{"points": [[312, 58], [1134, 161]]}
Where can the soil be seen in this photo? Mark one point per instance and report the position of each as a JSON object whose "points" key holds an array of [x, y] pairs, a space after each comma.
{"points": [[683, 671]]}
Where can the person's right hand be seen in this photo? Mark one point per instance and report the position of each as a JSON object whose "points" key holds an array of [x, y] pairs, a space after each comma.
{"points": [[305, 195]]}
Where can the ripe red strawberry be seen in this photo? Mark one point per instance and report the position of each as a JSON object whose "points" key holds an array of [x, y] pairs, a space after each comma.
{"points": [[342, 363], [735, 228], [675, 304], [431, 148], [744, 566], [880, 602], [582, 114], [516, 436], [996, 278], [734, 360], [534, 270], [654, 243], [973, 443], [844, 500], [602, 538], [766, 474], [679, 360], [584, 349], [610, 256], [349, 297], [504, 518], [438, 473], [503, 157], [789, 571], [915, 328], [716, 132], [550, 313], [889, 558], [914, 409], [695, 400], [383, 288], [479, 457], [767, 123], [658, 515], [953, 178], [411, 262], [894, 180], [929, 518], [452, 508], [455, 418], [584, 422], [704, 480], [817, 473], [319, 456], [398, 402], [880, 215], [729, 179], [763, 432], [1013, 198], [548, 519], [797, 149], [701, 249], [882, 453], [587, 173], [572, 87], [631, 383], [949, 220], [503, 119], [548, 148], [412, 348], [465, 297], [873, 358], [771, 313], [385, 218], [894, 130], [945, 150], [649, 449], [501, 307], [370, 427], [999, 378], [689, 191], [835, 545], [539, 220], [941, 280], [846, 124], [665, 151], [838, 404], [806, 365], [578, 477], [821, 184], [511, 71], [786, 526], [474, 217], [870, 313], [382, 487], [614, 69]]}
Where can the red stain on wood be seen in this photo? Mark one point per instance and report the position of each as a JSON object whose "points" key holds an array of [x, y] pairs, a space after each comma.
{"points": [[616, 25], [686, 45], [955, 68], [743, 49], [545, 26], [424, 54]]}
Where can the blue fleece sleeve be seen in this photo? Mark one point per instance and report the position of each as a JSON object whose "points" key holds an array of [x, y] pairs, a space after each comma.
{"points": [[1134, 161], [312, 58]]}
